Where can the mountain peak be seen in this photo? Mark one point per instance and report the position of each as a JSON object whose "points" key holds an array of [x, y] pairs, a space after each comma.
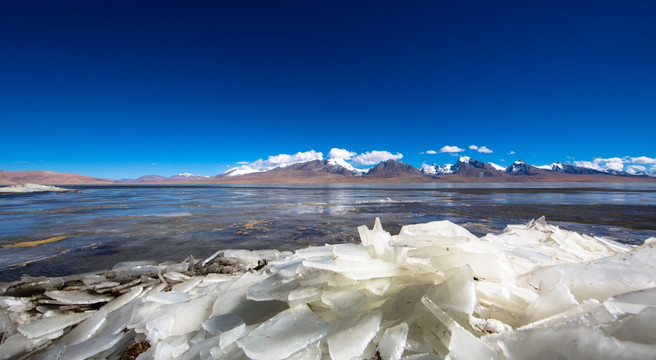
{"points": [[393, 168]]}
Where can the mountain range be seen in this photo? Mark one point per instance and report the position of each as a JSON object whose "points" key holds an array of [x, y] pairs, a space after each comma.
{"points": [[319, 171]]}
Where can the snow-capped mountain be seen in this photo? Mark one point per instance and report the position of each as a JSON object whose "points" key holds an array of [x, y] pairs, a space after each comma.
{"points": [[187, 176], [343, 163], [520, 167]]}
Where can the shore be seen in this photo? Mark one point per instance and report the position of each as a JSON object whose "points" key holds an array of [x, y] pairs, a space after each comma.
{"points": [[434, 290]]}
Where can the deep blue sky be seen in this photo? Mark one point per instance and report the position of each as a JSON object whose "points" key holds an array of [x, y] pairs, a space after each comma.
{"points": [[126, 88]]}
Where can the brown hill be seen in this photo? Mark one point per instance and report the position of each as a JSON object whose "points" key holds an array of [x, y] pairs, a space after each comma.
{"points": [[48, 178]]}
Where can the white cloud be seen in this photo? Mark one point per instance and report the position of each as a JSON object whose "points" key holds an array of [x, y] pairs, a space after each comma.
{"points": [[451, 149], [632, 169], [431, 152], [481, 149], [282, 160], [336, 153], [643, 160], [601, 164], [374, 157], [512, 152]]}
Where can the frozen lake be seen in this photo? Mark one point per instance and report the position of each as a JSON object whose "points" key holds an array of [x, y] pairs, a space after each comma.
{"points": [[102, 225]]}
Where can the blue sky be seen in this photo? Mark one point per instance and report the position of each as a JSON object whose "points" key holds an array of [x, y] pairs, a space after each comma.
{"points": [[122, 88]]}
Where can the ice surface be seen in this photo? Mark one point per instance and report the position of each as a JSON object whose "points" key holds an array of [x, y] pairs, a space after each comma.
{"points": [[433, 291], [76, 297], [288, 332], [392, 343], [30, 188], [44, 326], [349, 338]]}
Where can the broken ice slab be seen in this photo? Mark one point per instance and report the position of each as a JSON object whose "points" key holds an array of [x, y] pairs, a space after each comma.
{"points": [[460, 342], [85, 330], [16, 345], [551, 301], [569, 343], [356, 270], [640, 328], [44, 326], [283, 335], [90, 348], [457, 292], [180, 318], [591, 313], [349, 338], [632, 302], [123, 299], [344, 303], [76, 297], [273, 288], [438, 229], [603, 278], [392, 343], [187, 285], [168, 297], [219, 324]]}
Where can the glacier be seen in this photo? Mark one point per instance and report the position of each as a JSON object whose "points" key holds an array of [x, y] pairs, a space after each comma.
{"points": [[432, 291]]}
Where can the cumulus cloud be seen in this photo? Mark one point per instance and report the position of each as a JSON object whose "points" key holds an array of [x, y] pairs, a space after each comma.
{"points": [[481, 149], [451, 149], [643, 160], [512, 152], [633, 169], [336, 153], [282, 160], [374, 157], [431, 152], [601, 164]]}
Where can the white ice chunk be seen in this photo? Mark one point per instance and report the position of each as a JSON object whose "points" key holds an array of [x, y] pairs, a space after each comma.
{"points": [[75, 297], [392, 343], [187, 285], [273, 288], [551, 302], [86, 329], [573, 343], [632, 302], [460, 342], [312, 352], [640, 328], [344, 303], [45, 326], [123, 299], [168, 297], [219, 324], [229, 337], [349, 338], [286, 333], [437, 233], [457, 292], [89, 348]]}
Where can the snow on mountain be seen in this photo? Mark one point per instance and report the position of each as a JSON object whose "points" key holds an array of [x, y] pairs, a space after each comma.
{"points": [[343, 163], [241, 170], [497, 167], [187, 175], [436, 169], [557, 166]]}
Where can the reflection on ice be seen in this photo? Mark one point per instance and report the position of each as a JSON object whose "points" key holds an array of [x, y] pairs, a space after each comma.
{"points": [[432, 291]]}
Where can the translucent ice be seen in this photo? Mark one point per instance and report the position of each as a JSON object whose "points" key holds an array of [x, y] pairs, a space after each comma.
{"points": [[285, 334], [349, 338]]}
